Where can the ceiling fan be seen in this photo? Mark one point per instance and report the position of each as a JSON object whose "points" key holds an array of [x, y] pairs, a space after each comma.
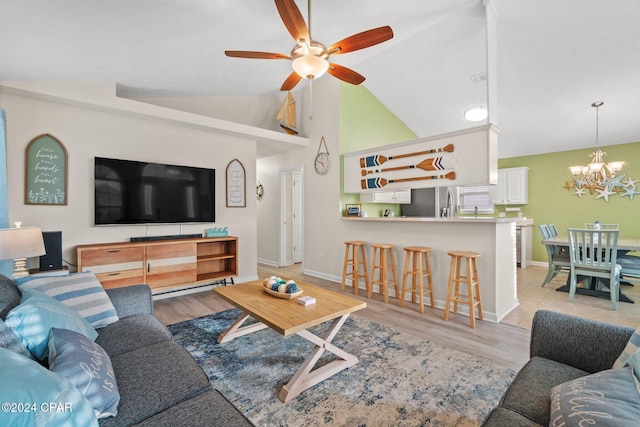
{"points": [[311, 58]]}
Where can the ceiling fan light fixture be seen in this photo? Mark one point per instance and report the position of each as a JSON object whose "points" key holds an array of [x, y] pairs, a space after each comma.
{"points": [[310, 66], [476, 113]]}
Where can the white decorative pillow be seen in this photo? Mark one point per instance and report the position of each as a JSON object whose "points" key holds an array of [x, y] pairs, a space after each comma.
{"points": [[79, 291], [87, 366]]}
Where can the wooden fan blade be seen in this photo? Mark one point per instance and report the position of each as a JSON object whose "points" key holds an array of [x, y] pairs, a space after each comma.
{"points": [[291, 81], [345, 74], [255, 55], [361, 40], [293, 20]]}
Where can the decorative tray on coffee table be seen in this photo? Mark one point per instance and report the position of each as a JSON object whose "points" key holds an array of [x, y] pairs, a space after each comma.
{"points": [[282, 295]]}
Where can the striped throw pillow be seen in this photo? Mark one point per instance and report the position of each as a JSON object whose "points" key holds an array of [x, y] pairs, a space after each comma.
{"points": [[630, 349], [79, 291]]}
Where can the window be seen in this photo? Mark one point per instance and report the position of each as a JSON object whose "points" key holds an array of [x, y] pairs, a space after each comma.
{"points": [[478, 196]]}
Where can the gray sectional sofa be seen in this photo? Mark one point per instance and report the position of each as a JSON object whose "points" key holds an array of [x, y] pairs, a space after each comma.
{"points": [[563, 348], [159, 382]]}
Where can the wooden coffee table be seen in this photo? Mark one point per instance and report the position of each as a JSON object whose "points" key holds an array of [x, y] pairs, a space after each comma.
{"points": [[287, 317]]}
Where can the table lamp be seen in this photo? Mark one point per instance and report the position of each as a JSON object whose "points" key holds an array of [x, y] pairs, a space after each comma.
{"points": [[19, 244]]}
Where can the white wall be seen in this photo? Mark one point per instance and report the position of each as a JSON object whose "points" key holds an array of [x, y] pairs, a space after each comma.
{"points": [[323, 229], [89, 132]]}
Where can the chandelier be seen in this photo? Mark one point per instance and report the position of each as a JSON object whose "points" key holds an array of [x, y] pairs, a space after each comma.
{"points": [[597, 175]]}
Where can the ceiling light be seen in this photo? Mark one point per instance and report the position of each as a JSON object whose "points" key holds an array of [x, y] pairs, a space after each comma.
{"points": [[597, 175], [310, 66], [476, 114], [310, 60]]}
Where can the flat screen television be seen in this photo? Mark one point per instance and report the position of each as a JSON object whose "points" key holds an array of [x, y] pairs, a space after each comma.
{"points": [[132, 192]]}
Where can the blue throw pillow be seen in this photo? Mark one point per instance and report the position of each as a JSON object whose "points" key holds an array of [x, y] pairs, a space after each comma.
{"points": [[87, 366], [80, 291], [607, 398], [33, 396], [37, 314]]}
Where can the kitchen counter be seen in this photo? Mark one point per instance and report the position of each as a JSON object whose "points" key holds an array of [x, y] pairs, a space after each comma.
{"points": [[493, 238], [485, 219]]}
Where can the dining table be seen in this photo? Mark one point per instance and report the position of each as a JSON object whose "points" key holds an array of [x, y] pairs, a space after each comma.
{"points": [[625, 244]]}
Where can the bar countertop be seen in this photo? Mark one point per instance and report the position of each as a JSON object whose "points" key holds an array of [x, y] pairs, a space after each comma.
{"points": [[486, 219]]}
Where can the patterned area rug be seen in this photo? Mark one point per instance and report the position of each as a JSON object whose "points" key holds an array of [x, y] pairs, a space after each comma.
{"points": [[400, 380]]}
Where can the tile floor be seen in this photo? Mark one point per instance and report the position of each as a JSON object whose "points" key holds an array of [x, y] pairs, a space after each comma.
{"points": [[533, 297]]}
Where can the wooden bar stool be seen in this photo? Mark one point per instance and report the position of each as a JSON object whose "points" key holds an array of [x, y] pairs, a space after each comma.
{"points": [[416, 264], [383, 261], [472, 298], [354, 257]]}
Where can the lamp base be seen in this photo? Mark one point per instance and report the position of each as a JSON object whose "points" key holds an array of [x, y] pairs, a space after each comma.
{"points": [[19, 268]]}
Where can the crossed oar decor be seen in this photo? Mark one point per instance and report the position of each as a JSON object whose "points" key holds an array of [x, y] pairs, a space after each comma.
{"points": [[429, 164], [378, 159]]}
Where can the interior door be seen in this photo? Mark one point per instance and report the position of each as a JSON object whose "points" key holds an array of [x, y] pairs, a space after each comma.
{"points": [[296, 211]]}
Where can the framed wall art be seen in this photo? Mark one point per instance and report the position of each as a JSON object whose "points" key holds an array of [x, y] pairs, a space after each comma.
{"points": [[236, 185], [45, 172]]}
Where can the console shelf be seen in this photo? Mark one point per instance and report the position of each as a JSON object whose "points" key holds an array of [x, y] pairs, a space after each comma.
{"points": [[162, 264]]}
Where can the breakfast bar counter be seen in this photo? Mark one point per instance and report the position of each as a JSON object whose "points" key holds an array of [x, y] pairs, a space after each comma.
{"points": [[493, 238]]}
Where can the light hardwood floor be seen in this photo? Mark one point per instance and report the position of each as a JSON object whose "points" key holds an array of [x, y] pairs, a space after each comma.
{"points": [[506, 342]]}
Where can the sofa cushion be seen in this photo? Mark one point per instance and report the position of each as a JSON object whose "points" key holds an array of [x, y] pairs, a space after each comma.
{"points": [[207, 409], [10, 341], [37, 314], [9, 296], [80, 291], [152, 379], [529, 393], [605, 398], [39, 397], [86, 365], [131, 333], [503, 417]]}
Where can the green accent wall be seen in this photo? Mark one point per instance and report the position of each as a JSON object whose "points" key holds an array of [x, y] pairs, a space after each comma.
{"points": [[366, 123], [551, 203]]}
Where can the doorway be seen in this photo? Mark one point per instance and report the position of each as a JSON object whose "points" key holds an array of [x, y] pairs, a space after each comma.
{"points": [[291, 216]]}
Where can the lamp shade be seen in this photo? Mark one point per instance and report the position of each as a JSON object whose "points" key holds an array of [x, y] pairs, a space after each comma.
{"points": [[310, 66], [21, 242]]}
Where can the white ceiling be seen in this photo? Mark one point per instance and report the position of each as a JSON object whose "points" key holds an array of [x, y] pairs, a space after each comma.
{"points": [[555, 57]]}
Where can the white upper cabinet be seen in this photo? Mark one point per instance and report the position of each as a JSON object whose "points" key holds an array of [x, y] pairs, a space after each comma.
{"points": [[512, 188], [400, 196]]}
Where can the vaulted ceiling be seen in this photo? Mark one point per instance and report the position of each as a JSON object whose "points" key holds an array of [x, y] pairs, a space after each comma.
{"points": [[554, 58]]}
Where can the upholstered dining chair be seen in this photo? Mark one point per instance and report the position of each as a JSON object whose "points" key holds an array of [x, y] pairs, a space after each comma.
{"points": [[593, 254], [559, 260]]}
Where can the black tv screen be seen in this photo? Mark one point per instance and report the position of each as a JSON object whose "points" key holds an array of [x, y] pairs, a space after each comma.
{"points": [[131, 192]]}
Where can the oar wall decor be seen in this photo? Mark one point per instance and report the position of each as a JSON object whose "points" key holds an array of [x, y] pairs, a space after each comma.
{"points": [[378, 159], [430, 164], [381, 182]]}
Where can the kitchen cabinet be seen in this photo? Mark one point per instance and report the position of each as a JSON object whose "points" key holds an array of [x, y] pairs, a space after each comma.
{"points": [[512, 188], [400, 196]]}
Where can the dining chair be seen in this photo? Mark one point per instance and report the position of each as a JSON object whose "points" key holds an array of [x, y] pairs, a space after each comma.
{"points": [[593, 254], [558, 258], [553, 231], [630, 264], [591, 226], [544, 230]]}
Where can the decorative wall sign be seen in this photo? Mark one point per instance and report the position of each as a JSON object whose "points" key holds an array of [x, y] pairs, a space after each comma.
{"points": [[236, 185], [465, 157], [45, 172]]}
